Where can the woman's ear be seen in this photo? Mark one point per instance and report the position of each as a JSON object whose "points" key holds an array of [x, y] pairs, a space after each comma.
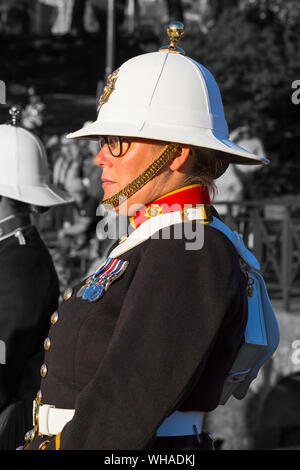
{"points": [[180, 157]]}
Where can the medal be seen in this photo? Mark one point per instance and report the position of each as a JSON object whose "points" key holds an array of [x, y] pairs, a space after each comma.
{"points": [[87, 292], [81, 291], [91, 279], [96, 293], [95, 289], [98, 283]]}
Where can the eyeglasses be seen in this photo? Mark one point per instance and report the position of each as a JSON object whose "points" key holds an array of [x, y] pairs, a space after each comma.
{"points": [[114, 143]]}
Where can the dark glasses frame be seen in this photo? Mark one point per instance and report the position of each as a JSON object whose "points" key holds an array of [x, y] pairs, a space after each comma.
{"points": [[109, 140]]}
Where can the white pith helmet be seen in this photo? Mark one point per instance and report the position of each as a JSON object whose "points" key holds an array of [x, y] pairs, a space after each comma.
{"points": [[166, 96], [24, 167]]}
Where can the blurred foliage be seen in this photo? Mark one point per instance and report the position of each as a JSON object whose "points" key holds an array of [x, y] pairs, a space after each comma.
{"points": [[253, 50]]}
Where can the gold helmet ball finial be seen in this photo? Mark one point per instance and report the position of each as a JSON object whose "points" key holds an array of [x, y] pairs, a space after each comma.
{"points": [[175, 32]]}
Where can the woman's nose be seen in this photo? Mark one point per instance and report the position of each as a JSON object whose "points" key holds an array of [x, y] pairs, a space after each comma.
{"points": [[103, 157]]}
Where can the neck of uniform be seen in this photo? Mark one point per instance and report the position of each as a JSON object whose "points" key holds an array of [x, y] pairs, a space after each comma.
{"points": [[178, 200]]}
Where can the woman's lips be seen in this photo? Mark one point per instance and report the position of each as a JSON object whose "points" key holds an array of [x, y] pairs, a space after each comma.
{"points": [[107, 182]]}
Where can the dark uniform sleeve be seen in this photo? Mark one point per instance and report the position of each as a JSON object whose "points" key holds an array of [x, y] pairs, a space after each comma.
{"points": [[28, 295], [168, 323]]}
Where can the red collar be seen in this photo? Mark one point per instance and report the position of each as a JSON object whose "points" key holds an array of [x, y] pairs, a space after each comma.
{"points": [[192, 195]]}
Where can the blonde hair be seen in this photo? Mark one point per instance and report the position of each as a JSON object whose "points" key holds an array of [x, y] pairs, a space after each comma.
{"points": [[208, 165]]}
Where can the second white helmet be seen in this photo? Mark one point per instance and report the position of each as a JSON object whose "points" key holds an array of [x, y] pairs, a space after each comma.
{"points": [[24, 174]]}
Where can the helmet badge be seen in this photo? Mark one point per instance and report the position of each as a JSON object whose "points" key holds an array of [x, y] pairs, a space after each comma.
{"points": [[108, 89]]}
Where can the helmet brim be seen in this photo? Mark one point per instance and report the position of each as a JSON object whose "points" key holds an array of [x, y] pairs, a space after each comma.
{"points": [[45, 195], [156, 131]]}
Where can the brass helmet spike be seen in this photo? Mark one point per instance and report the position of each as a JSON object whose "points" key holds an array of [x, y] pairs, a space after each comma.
{"points": [[175, 32], [16, 113]]}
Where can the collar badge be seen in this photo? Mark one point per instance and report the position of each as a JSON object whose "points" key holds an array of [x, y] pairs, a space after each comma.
{"points": [[153, 211]]}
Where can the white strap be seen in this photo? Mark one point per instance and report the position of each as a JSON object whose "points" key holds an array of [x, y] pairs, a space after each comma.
{"points": [[146, 230], [153, 225], [180, 423]]}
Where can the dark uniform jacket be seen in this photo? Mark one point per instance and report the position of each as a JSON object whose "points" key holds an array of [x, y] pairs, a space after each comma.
{"points": [[28, 294], [162, 338]]}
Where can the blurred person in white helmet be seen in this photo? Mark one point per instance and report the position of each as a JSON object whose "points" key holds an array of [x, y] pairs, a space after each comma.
{"points": [[142, 348], [29, 289]]}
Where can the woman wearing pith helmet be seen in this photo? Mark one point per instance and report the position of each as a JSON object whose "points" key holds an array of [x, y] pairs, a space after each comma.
{"points": [[138, 352]]}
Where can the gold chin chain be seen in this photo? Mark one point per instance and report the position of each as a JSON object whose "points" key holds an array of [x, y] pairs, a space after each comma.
{"points": [[143, 178]]}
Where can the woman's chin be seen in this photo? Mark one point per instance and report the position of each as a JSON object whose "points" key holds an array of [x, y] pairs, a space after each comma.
{"points": [[108, 193]]}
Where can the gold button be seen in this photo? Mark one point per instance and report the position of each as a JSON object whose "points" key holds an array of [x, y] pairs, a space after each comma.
{"points": [[54, 318], [30, 435], [47, 344], [68, 293], [44, 370]]}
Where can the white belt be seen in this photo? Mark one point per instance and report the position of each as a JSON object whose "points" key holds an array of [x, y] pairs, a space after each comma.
{"points": [[52, 420], [180, 423]]}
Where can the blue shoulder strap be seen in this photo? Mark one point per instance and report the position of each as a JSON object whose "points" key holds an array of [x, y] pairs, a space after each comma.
{"points": [[262, 332], [238, 243]]}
